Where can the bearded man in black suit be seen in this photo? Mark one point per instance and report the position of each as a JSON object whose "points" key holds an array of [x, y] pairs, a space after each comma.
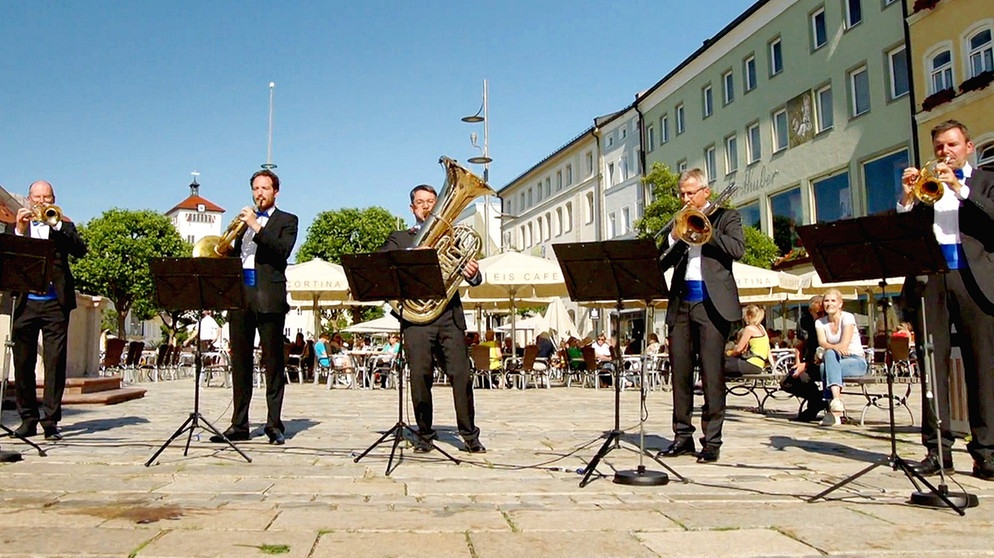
{"points": [[442, 341], [264, 250], [48, 314], [963, 223], [704, 301]]}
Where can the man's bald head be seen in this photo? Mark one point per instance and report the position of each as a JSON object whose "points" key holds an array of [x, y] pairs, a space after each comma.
{"points": [[40, 192]]}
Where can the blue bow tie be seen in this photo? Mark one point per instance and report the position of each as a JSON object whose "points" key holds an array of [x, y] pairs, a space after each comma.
{"points": [[262, 213], [958, 173]]}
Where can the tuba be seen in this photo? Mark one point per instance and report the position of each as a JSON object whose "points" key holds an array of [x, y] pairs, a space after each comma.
{"points": [[927, 188], [455, 244], [220, 246]]}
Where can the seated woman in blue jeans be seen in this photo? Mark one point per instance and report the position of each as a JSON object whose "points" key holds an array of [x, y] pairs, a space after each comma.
{"points": [[843, 357]]}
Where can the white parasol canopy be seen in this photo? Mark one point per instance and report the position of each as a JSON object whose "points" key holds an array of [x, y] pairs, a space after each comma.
{"points": [[321, 283], [385, 324], [560, 324]]}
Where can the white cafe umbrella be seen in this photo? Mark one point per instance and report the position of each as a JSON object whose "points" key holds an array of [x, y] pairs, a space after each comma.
{"points": [[561, 326], [319, 282], [386, 324], [517, 276]]}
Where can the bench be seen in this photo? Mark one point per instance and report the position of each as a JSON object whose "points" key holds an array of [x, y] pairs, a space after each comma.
{"points": [[765, 385], [873, 385]]}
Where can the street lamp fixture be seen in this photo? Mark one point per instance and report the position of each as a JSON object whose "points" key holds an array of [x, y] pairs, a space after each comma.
{"points": [[482, 159]]}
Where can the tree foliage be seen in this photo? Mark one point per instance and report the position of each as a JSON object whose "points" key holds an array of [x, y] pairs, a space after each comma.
{"points": [[347, 231], [760, 250], [121, 242]]}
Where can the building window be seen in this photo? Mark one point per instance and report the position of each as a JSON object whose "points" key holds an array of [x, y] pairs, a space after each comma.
{"points": [[650, 137], [612, 225], [681, 166], [776, 56], [559, 221], [623, 170], [568, 218], [626, 220], [854, 13], [538, 192], [707, 101], [529, 198], [898, 62], [728, 87], [559, 180], [882, 179], [780, 137], [750, 215], [749, 73], [833, 199], [819, 33], [541, 231], [590, 163], [548, 186], [521, 202], [942, 71], [985, 154], [569, 175], [826, 114], [681, 124], [664, 129], [548, 226], [610, 140], [981, 59], [610, 175], [624, 133], [755, 145], [731, 154], [859, 91], [787, 215], [709, 164], [588, 208]]}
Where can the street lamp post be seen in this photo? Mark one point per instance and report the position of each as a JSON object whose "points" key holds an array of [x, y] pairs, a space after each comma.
{"points": [[484, 159]]}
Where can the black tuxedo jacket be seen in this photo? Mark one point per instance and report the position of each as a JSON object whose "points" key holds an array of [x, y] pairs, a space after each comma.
{"points": [[274, 244], [402, 240], [68, 242], [727, 244], [976, 227]]}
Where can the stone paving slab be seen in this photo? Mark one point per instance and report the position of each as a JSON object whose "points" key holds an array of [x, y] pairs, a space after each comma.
{"points": [[93, 496]]}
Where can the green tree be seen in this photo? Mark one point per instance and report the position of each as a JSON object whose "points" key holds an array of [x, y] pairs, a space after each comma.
{"points": [[760, 250], [346, 231], [121, 242]]}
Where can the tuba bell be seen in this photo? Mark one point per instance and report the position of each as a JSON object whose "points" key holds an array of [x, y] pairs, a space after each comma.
{"points": [[214, 246], [455, 244]]}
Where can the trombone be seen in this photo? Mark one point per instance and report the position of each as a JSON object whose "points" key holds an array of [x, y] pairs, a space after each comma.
{"points": [[692, 225], [50, 214]]}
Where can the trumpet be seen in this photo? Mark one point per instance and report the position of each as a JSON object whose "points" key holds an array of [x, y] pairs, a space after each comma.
{"points": [[214, 246], [927, 188], [50, 214]]}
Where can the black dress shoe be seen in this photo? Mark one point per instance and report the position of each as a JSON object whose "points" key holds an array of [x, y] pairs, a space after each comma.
{"points": [[27, 429], [421, 445], [809, 414], [677, 449], [709, 454], [231, 435], [983, 469], [930, 465], [52, 433], [474, 446], [276, 438]]}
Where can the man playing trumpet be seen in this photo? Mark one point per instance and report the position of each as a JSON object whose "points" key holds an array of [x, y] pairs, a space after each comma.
{"points": [[963, 223], [47, 313]]}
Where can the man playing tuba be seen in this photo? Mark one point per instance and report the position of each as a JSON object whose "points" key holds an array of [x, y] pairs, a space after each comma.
{"points": [[443, 337]]}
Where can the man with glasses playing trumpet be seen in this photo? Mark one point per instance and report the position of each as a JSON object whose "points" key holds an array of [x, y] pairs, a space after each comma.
{"points": [[704, 301], [959, 200], [47, 313]]}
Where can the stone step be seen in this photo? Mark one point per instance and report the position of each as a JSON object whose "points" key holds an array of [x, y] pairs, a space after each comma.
{"points": [[106, 390]]}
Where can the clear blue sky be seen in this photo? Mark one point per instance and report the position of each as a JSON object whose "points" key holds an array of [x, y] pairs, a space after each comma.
{"points": [[115, 103]]}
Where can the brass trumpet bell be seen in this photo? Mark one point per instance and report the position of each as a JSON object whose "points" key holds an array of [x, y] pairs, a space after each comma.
{"points": [[50, 214], [927, 188], [692, 226]]}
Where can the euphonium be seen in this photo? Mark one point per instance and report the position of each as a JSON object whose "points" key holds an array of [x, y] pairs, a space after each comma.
{"points": [[220, 246], [50, 214], [927, 187], [455, 244]]}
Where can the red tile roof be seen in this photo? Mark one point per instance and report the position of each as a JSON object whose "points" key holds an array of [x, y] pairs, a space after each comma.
{"points": [[191, 203]]}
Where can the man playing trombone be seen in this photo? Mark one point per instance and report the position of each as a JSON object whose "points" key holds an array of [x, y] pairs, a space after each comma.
{"points": [[704, 301]]}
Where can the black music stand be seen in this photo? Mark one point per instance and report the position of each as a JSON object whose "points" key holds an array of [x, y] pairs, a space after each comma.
{"points": [[25, 266], [878, 247], [198, 284], [396, 275], [616, 270]]}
